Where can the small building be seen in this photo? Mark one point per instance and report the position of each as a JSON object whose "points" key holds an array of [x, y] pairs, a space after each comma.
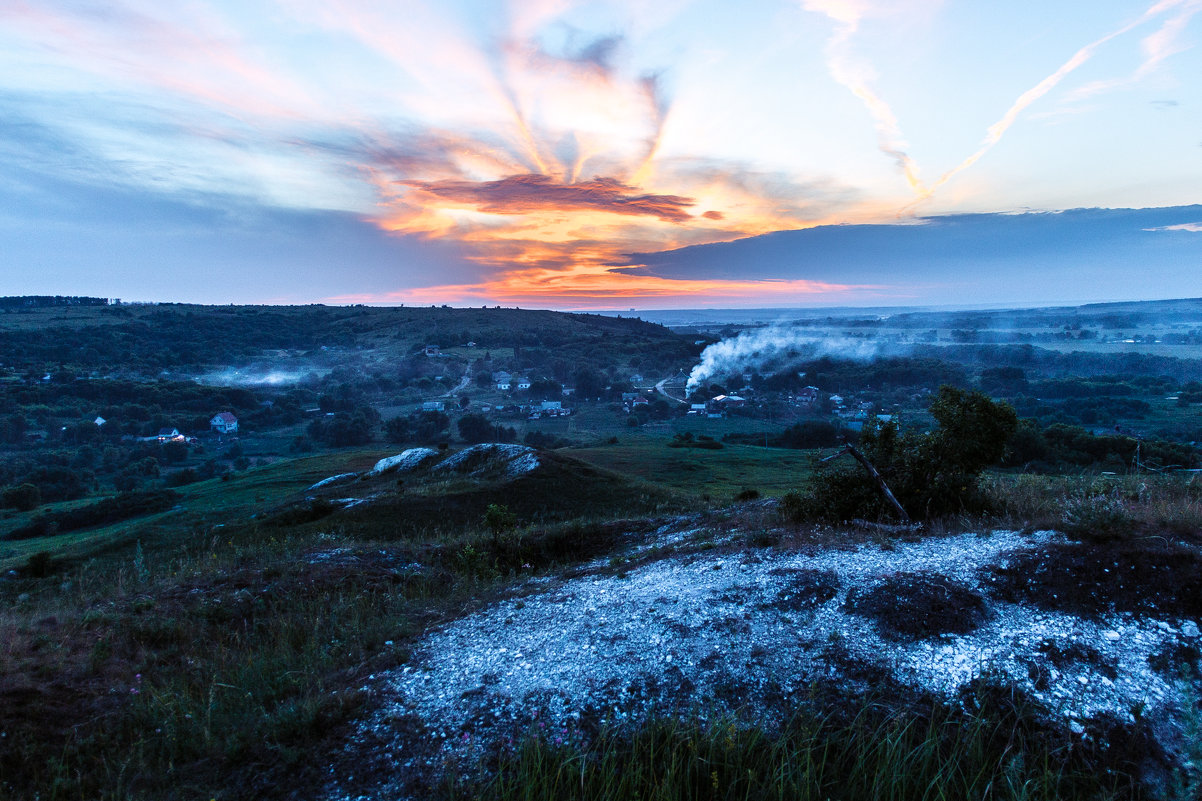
{"points": [[432, 351], [808, 396], [504, 386], [568, 391], [433, 406], [696, 408], [99, 421], [169, 435], [224, 423], [524, 383], [641, 401], [548, 405], [724, 402]]}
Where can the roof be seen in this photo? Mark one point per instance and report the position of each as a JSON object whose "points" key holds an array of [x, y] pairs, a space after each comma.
{"points": [[224, 417], [168, 432]]}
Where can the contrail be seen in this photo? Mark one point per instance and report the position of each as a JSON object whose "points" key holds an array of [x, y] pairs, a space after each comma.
{"points": [[998, 129], [890, 140]]}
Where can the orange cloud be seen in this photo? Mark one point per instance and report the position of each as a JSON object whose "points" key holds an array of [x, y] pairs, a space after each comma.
{"points": [[522, 194]]}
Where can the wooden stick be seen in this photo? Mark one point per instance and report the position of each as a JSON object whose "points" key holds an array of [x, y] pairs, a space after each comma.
{"points": [[872, 471]]}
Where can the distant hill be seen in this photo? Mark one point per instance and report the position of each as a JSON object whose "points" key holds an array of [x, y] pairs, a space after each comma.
{"points": [[188, 336]]}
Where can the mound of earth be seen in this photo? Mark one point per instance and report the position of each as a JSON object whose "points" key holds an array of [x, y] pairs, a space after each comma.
{"points": [[707, 625], [454, 492]]}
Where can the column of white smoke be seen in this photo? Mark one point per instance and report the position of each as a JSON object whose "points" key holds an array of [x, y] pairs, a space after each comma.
{"points": [[750, 350]]}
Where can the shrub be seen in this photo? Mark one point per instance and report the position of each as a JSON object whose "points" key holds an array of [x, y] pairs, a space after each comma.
{"points": [[180, 478], [110, 510], [23, 497], [1097, 518], [932, 474]]}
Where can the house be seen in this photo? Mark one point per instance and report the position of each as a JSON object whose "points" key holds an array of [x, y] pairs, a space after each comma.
{"points": [[523, 383], [808, 396], [504, 386], [548, 405], [723, 402], [696, 408], [640, 401], [503, 380], [470, 345], [433, 406], [836, 400], [431, 351], [568, 391], [636, 379], [99, 421], [224, 423], [169, 435]]}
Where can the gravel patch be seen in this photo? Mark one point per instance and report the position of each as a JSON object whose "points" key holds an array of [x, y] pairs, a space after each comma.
{"points": [[709, 631]]}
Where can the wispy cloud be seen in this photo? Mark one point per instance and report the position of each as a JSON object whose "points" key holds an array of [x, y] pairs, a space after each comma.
{"points": [[857, 76], [1160, 48], [1195, 228]]}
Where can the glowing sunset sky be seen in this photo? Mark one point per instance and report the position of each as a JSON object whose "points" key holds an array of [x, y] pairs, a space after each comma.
{"points": [[519, 153]]}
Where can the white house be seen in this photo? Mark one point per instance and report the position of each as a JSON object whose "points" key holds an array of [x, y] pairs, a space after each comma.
{"points": [[169, 435], [224, 423], [548, 405], [524, 383], [433, 406]]}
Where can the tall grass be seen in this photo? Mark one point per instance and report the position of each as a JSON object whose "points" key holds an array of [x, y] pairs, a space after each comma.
{"points": [[1152, 504], [875, 754]]}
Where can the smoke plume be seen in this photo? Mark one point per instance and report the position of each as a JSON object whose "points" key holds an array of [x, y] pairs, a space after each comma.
{"points": [[760, 349]]}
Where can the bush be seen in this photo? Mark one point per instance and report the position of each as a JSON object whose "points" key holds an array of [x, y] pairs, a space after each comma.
{"points": [[1097, 518], [182, 477], [932, 474], [102, 513], [23, 497]]}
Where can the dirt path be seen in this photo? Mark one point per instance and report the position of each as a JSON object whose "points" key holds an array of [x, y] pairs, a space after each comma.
{"points": [[659, 387]]}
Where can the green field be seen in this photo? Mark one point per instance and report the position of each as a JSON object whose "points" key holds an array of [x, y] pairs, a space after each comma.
{"points": [[205, 504], [718, 474]]}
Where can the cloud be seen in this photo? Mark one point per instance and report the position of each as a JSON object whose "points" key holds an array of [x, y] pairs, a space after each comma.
{"points": [[522, 194], [1195, 228], [1157, 47], [857, 76], [1161, 46]]}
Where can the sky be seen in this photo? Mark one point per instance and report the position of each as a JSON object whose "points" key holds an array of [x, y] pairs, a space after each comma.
{"points": [[622, 154]]}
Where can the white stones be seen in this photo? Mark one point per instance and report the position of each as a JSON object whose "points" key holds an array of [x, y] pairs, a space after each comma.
{"points": [[1112, 636], [404, 461], [1190, 629]]}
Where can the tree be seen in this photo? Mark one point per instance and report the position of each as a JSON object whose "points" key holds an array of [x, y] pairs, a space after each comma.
{"points": [[398, 429], [498, 519], [931, 473], [430, 426]]}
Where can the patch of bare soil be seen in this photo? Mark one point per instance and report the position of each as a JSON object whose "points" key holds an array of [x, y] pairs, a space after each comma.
{"points": [[1147, 576]]}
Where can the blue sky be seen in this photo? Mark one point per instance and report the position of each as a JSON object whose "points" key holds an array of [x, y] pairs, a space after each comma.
{"points": [[472, 152]]}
